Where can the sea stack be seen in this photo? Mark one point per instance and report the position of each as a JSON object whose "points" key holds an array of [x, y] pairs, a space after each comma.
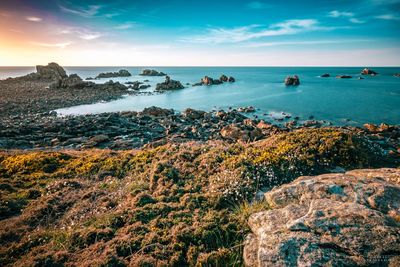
{"points": [[292, 80]]}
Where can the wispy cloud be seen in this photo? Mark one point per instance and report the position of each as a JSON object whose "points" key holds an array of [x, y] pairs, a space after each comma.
{"points": [[257, 5], [388, 17], [356, 21], [314, 42], [343, 14], [87, 12], [240, 34], [338, 14], [55, 45], [124, 26], [82, 33], [33, 19]]}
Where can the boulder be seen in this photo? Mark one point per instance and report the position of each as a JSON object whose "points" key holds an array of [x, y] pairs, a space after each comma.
{"points": [[339, 219], [231, 79], [343, 76], [292, 80], [148, 72], [368, 71], [396, 75], [325, 75], [72, 80], [120, 73], [157, 112], [169, 84], [193, 114], [233, 132]]}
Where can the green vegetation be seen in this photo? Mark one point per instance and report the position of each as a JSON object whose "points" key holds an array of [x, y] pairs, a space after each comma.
{"points": [[174, 205]]}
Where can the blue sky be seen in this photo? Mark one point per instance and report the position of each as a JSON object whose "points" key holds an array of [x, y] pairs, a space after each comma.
{"points": [[278, 33]]}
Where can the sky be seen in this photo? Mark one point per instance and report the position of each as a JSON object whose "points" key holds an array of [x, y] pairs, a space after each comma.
{"points": [[200, 33]]}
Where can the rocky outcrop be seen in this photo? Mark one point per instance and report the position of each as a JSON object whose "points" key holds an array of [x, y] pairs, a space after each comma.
{"points": [[344, 77], [325, 75], [292, 80], [341, 219], [50, 72], [169, 84], [136, 85], [58, 77], [211, 81], [396, 75], [120, 73], [368, 71], [148, 72]]}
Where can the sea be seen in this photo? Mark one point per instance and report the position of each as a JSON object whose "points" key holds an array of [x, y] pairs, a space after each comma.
{"points": [[374, 99]]}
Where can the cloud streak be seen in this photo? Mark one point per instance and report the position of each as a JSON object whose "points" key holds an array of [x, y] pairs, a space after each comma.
{"points": [[55, 45], [245, 33], [89, 12], [388, 17], [33, 19], [339, 14]]}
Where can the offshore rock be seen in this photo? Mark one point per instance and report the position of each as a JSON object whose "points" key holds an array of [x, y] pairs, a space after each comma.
{"points": [[292, 80]]}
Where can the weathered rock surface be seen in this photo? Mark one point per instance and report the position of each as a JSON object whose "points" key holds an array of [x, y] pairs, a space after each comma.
{"points": [[169, 84], [148, 72], [348, 219], [120, 73], [368, 71], [292, 80]]}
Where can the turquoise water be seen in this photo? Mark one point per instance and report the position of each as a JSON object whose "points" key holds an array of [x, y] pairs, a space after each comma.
{"points": [[375, 99]]}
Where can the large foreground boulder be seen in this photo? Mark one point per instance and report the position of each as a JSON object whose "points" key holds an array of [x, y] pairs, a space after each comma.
{"points": [[348, 219]]}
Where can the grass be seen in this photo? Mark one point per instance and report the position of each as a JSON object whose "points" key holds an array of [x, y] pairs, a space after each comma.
{"points": [[174, 205]]}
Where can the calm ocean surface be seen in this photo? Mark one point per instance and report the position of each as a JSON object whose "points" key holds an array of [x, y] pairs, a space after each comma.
{"points": [[341, 101]]}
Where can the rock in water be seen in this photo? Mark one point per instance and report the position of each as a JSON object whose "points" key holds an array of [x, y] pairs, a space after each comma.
{"points": [[292, 80], [120, 73], [349, 219], [223, 78], [169, 84], [325, 75], [368, 71], [148, 72], [344, 77]]}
